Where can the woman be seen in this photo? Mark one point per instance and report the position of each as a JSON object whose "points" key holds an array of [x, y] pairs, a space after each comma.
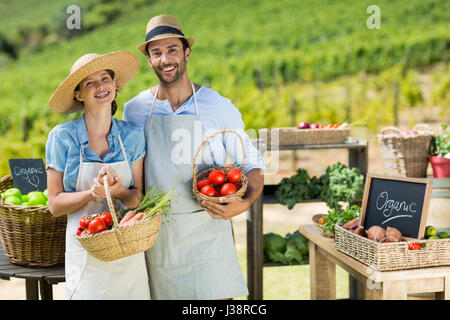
{"points": [[78, 154]]}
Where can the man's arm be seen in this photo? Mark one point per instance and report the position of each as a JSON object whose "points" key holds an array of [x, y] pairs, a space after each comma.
{"points": [[234, 205]]}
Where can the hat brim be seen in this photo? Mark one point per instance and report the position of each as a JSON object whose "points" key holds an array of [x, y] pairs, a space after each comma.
{"points": [[143, 46], [124, 64]]}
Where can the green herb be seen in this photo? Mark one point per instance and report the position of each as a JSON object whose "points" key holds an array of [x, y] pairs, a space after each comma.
{"points": [[339, 217], [155, 200]]}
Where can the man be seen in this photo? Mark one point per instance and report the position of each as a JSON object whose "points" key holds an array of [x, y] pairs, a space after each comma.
{"points": [[194, 256]]}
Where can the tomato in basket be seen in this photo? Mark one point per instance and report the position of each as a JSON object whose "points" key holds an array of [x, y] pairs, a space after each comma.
{"points": [[217, 177], [107, 218], [202, 183], [96, 225], [234, 175], [84, 221], [227, 189], [208, 190]]}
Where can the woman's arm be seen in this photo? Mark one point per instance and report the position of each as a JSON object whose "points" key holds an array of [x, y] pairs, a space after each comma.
{"points": [[60, 202]]}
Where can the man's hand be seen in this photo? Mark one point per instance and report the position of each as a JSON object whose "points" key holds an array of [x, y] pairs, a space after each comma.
{"points": [[228, 207]]}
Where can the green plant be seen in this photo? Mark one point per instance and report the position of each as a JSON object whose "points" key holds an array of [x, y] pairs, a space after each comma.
{"points": [[439, 145]]}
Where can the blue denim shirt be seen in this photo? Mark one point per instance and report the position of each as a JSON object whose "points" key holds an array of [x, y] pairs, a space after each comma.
{"points": [[62, 151]]}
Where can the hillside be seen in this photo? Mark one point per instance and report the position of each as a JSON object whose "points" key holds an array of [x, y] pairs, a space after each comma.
{"points": [[265, 56]]}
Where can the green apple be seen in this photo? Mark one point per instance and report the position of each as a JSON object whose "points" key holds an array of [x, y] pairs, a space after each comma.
{"points": [[25, 198], [13, 200], [37, 199], [13, 192], [45, 193]]}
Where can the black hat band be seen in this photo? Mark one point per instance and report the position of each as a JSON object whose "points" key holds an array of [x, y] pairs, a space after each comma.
{"points": [[162, 30]]}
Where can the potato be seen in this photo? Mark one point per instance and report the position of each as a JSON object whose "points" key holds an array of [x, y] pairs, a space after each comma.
{"points": [[393, 235], [351, 223], [360, 231], [376, 233]]}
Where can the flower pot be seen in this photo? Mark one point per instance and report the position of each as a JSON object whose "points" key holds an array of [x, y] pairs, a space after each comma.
{"points": [[441, 167]]}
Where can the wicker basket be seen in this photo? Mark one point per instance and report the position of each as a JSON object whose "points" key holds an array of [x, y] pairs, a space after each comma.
{"points": [[392, 255], [293, 136], [31, 235], [405, 156], [120, 242], [205, 173]]}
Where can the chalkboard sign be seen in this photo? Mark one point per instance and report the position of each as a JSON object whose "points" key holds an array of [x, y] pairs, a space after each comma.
{"points": [[28, 174], [400, 203]]}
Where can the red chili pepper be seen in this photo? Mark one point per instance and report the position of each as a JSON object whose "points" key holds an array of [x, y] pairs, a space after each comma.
{"points": [[414, 246]]}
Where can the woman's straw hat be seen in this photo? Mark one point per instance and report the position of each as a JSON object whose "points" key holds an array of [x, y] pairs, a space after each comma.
{"points": [[124, 64], [162, 27]]}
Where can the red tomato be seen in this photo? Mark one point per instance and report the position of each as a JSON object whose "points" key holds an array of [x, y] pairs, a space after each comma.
{"points": [[234, 175], [106, 216], [217, 177], [202, 183], [330, 126], [84, 221], [414, 246], [227, 189], [96, 225], [335, 126], [208, 190]]}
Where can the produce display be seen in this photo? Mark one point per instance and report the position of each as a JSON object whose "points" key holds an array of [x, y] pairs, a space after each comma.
{"points": [[306, 125], [221, 182], [291, 249], [154, 201], [33, 198], [338, 183]]}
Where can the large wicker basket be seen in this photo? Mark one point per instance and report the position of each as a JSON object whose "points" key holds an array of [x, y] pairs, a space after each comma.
{"points": [[31, 235], [294, 136], [120, 242], [205, 173], [405, 156], [392, 255]]}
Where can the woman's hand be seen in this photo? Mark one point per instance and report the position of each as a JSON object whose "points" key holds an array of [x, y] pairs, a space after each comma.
{"points": [[98, 189], [130, 218], [109, 172]]}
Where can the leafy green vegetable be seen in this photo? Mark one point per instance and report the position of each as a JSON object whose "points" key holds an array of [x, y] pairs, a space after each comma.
{"points": [[439, 145], [274, 243], [340, 217], [293, 249], [300, 241], [292, 254], [294, 189]]}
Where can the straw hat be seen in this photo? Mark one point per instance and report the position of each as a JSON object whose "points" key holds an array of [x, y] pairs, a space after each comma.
{"points": [[124, 64], [162, 27]]}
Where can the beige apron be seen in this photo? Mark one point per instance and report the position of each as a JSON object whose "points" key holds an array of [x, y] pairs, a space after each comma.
{"points": [[87, 277], [194, 255]]}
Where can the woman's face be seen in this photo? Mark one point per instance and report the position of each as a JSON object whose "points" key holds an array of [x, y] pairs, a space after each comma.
{"points": [[99, 89]]}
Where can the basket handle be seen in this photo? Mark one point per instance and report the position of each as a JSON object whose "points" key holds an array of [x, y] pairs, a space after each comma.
{"points": [[423, 125], [391, 128], [110, 202], [209, 138]]}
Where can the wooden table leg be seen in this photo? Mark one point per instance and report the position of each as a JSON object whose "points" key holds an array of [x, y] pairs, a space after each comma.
{"points": [[31, 289], [46, 290], [444, 295], [395, 290], [255, 250], [322, 275]]}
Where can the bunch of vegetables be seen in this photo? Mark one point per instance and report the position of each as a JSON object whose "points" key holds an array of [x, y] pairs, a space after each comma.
{"points": [[221, 182], [292, 249], [306, 125], [338, 183], [154, 201], [440, 145], [334, 217]]}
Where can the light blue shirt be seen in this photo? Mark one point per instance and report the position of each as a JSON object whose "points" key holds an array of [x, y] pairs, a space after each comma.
{"points": [[62, 151], [216, 113]]}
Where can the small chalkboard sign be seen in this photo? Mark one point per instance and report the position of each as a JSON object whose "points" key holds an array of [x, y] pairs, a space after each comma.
{"points": [[400, 203], [28, 174]]}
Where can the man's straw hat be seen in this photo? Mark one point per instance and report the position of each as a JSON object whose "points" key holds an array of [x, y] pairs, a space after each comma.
{"points": [[124, 64], [162, 27]]}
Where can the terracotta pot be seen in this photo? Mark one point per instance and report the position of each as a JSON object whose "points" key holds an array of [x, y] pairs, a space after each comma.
{"points": [[441, 167]]}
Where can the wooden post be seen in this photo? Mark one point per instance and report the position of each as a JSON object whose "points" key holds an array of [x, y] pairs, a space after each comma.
{"points": [[322, 275], [255, 250], [31, 289]]}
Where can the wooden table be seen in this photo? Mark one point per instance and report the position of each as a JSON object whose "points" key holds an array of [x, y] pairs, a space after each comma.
{"points": [[42, 278], [372, 284]]}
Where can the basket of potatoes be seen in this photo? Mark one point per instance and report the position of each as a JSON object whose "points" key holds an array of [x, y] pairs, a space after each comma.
{"points": [[388, 250]]}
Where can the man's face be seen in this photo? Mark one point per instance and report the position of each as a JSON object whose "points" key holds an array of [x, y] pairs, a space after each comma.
{"points": [[167, 58]]}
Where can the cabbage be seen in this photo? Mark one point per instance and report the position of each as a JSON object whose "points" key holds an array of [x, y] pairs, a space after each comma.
{"points": [[274, 243]]}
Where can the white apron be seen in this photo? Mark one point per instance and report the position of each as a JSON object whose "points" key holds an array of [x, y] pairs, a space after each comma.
{"points": [[87, 277], [194, 255]]}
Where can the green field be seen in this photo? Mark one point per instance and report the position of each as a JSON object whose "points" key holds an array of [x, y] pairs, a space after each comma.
{"points": [[267, 57]]}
